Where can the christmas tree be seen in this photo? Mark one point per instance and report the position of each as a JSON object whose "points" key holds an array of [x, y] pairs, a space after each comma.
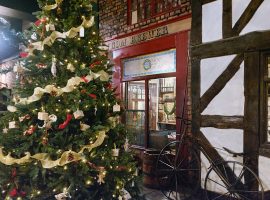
{"points": [[61, 136]]}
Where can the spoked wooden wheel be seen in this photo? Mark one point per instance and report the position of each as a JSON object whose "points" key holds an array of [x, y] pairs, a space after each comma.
{"points": [[237, 182], [178, 171]]}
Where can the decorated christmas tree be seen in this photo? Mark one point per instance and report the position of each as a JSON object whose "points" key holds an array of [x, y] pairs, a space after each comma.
{"points": [[62, 137]]}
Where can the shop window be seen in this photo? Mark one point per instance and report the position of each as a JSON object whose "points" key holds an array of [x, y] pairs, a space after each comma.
{"points": [[140, 10], [135, 110], [266, 97], [150, 98]]}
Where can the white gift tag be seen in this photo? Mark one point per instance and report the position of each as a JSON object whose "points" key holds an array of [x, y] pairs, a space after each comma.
{"points": [[12, 124], [43, 115], [81, 32], [52, 27], [116, 108]]}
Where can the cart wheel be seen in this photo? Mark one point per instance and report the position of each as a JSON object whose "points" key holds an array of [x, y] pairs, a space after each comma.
{"points": [[238, 182], [178, 171]]}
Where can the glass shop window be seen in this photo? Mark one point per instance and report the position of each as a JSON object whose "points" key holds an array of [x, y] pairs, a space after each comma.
{"points": [[135, 110], [162, 111], [140, 10]]}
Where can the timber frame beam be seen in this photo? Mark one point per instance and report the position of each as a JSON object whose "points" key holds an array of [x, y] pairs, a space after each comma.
{"points": [[253, 41], [246, 16], [221, 81], [222, 122]]}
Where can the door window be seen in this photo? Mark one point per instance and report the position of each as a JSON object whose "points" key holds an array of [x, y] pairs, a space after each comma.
{"points": [[162, 111]]}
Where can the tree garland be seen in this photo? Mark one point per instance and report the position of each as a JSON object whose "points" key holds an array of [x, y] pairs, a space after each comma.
{"points": [[169, 112]]}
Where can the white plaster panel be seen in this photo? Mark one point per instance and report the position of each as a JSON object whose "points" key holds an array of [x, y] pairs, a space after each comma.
{"points": [[212, 21], [211, 68], [260, 21], [238, 7], [264, 171], [230, 100], [219, 138]]}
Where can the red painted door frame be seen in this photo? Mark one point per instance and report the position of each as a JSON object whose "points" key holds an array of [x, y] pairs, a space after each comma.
{"points": [[179, 41]]}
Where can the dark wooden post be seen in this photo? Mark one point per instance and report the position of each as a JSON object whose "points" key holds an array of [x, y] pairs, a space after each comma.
{"points": [[227, 19], [195, 39], [251, 117]]}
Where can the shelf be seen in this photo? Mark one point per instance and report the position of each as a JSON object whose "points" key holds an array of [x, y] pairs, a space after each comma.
{"points": [[169, 92], [167, 101]]}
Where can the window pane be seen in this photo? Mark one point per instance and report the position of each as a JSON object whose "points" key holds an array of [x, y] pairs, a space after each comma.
{"points": [[162, 107], [135, 110]]}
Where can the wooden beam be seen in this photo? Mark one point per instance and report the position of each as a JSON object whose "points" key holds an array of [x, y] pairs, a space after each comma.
{"points": [[196, 23], [221, 81], [213, 156], [207, 1], [195, 39], [222, 122], [251, 109], [227, 19], [246, 16], [253, 41]]}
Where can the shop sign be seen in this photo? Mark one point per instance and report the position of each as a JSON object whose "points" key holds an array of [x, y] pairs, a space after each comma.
{"points": [[150, 34], [156, 63]]}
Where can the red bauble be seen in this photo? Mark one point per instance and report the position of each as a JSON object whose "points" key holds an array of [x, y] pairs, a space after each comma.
{"points": [[13, 192]]}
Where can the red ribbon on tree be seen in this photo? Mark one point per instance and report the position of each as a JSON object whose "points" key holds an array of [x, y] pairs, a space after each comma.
{"points": [[85, 79], [92, 96], [64, 125], [95, 63], [40, 21], [23, 54]]}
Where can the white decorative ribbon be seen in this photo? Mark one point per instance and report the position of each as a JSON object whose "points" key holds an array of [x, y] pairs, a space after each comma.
{"points": [[70, 86], [73, 32]]}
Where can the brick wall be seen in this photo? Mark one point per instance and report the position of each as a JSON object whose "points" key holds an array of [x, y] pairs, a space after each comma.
{"points": [[114, 21]]}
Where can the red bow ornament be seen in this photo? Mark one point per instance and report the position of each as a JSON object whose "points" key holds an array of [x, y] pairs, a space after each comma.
{"points": [[64, 125]]}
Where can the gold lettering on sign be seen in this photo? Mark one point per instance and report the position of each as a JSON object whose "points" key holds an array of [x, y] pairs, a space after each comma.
{"points": [[119, 43], [158, 32]]}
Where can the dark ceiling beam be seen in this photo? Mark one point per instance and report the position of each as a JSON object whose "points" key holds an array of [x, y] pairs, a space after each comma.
{"points": [[8, 12]]}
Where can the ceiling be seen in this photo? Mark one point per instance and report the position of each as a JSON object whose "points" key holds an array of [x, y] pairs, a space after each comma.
{"points": [[12, 15]]}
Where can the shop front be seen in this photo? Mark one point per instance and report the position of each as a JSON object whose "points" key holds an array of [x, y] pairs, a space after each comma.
{"points": [[151, 76]]}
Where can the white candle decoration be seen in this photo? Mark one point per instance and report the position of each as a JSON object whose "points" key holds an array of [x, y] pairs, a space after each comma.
{"points": [[43, 116], [78, 114], [115, 152], [82, 32], [47, 27]]}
